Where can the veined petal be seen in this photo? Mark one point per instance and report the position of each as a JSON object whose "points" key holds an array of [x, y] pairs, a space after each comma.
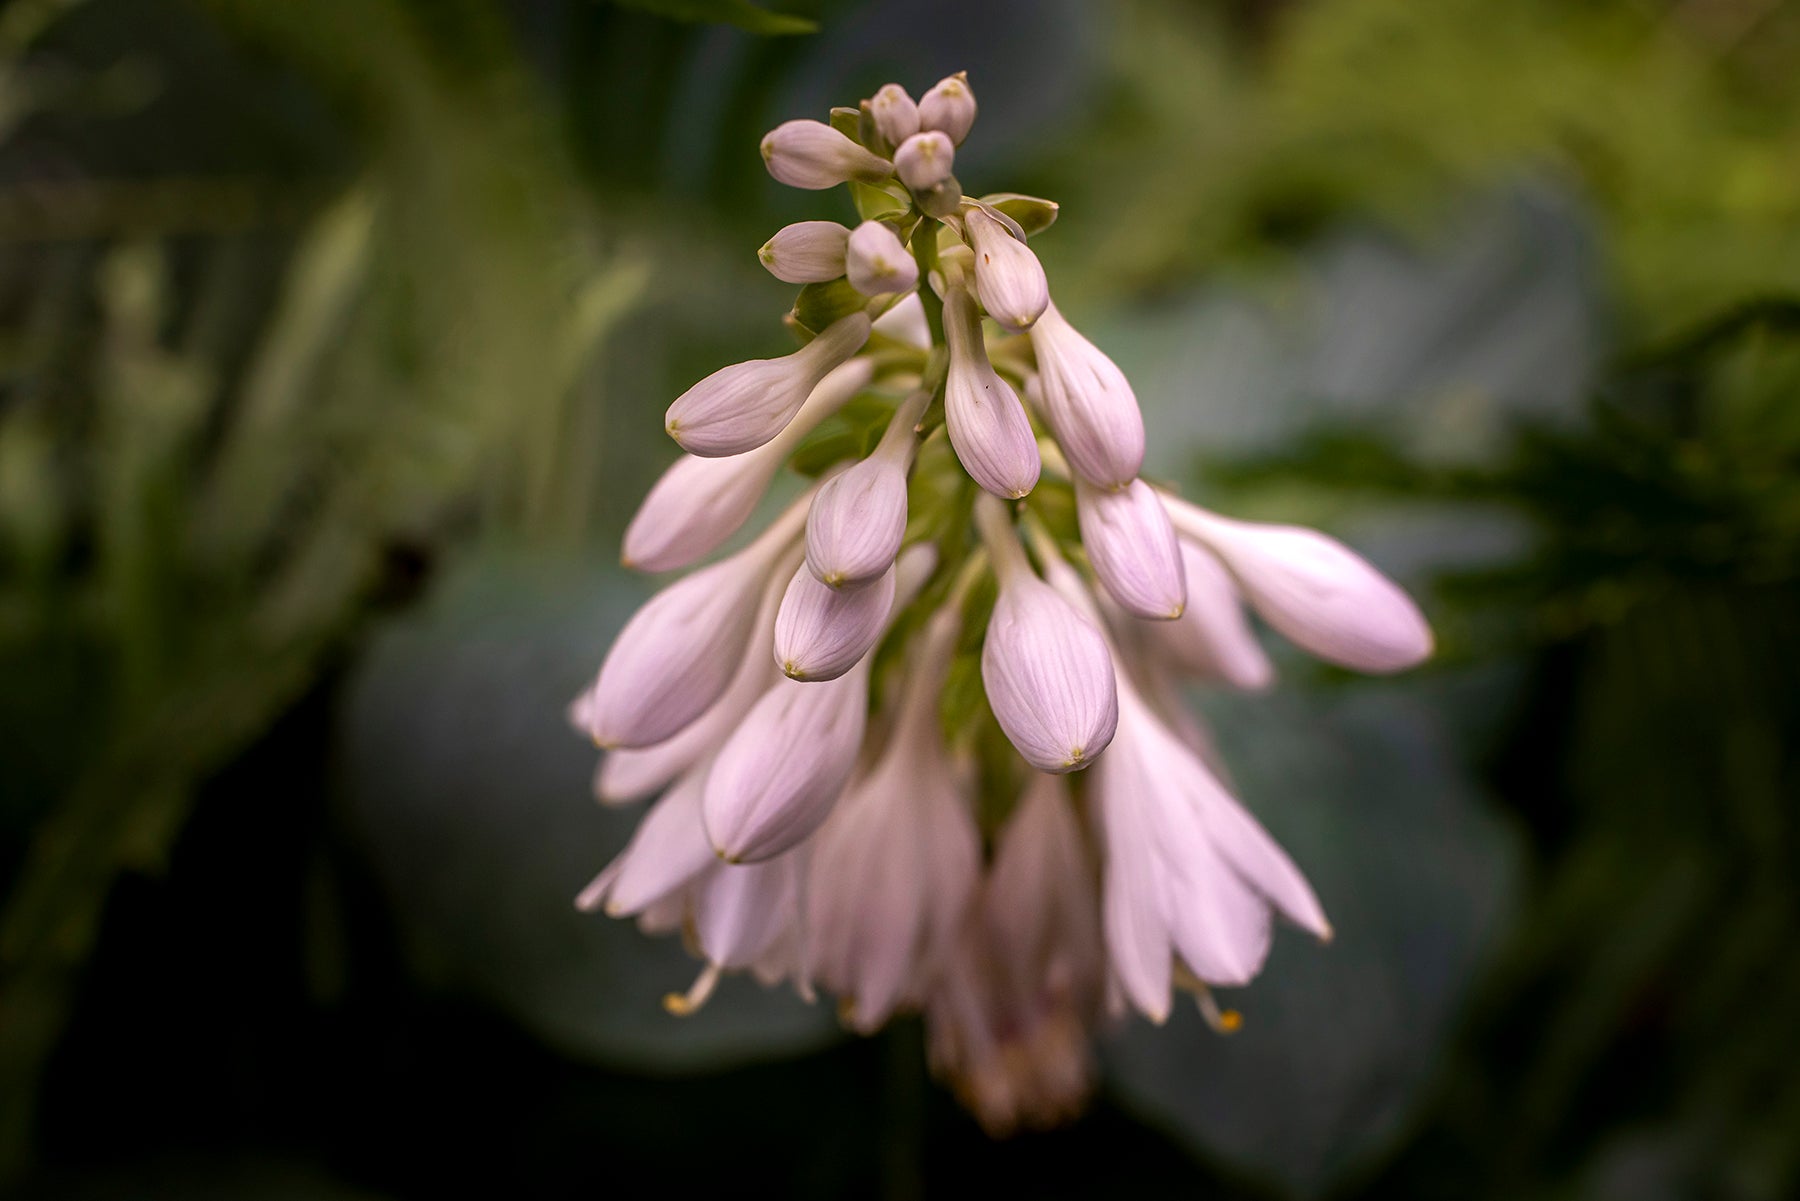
{"points": [[822, 632], [1212, 638], [1132, 546], [877, 263], [925, 160], [739, 408], [813, 155], [987, 424], [949, 106], [1087, 402], [1009, 280], [1315, 591], [895, 114], [807, 252], [858, 518]]}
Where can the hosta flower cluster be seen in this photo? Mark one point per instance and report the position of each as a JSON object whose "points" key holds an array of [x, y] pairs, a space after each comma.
{"points": [[918, 743]]}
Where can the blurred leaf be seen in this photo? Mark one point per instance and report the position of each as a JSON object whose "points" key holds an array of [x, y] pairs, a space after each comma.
{"points": [[741, 13]]}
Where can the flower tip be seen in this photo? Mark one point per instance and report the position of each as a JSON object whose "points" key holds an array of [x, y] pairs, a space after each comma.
{"points": [[1020, 493], [1326, 934], [793, 671]]}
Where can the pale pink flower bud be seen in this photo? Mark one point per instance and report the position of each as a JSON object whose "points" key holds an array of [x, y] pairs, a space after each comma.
{"points": [[877, 262], [896, 116], [677, 653], [630, 774], [987, 424], [1133, 548], [1212, 639], [1315, 591], [777, 777], [739, 408], [667, 851], [823, 632], [905, 322], [700, 502], [808, 252], [1048, 674], [924, 161], [1008, 277], [858, 518], [950, 106], [780, 772], [813, 155], [1087, 403]]}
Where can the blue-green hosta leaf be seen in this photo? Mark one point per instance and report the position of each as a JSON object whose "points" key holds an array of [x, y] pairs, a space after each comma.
{"points": [[470, 795], [741, 13]]}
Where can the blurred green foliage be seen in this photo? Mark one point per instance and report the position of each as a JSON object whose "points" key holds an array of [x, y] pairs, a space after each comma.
{"points": [[298, 301]]}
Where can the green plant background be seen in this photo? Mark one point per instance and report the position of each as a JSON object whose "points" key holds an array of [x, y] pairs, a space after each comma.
{"points": [[333, 341]]}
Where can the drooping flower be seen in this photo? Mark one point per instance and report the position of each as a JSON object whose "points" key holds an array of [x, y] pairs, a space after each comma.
{"points": [[895, 866], [1009, 280], [986, 423], [1048, 674], [1087, 402], [858, 823], [1131, 543], [857, 520], [1323, 597]]}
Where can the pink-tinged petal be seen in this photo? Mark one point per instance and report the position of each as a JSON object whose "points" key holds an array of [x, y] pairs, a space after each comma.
{"points": [[813, 155], [905, 323], [1315, 591], [858, 518], [822, 632], [807, 252], [925, 160], [896, 116], [667, 852], [741, 407], [630, 774], [1212, 639], [1088, 404], [987, 425], [1133, 549], [1009, 280], [743, 910], [949, 106], [877, 262]]}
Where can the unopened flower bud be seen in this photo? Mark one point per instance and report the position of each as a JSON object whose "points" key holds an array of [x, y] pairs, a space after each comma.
{"points": [[950, 107], [1048, 674], [677, 653], [1315, 591], [813, 155], [699, 503], [1088, 404], [738, 408], [877, 262], [1008, 277], [858, 516], [778, 775], [822, 632], [905, 322], [987, 424], [807, 252], [925, 160], [1212, 639], [1132, 546], [896, 116]]}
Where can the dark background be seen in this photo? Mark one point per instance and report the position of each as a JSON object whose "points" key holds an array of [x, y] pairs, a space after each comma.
{"points": [[333, 342]]}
